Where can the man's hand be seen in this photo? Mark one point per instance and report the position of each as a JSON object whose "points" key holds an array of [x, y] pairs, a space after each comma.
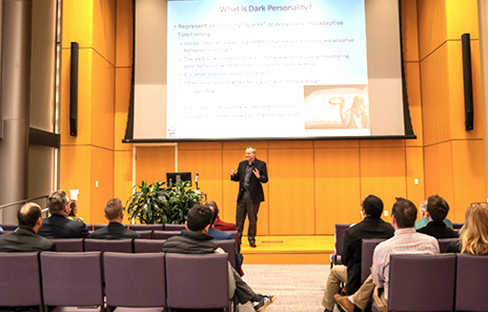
{"points": [[232, 171], [256, 173]]}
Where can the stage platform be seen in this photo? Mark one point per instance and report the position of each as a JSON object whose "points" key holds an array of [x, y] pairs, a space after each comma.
{"points": [[289, 249]]}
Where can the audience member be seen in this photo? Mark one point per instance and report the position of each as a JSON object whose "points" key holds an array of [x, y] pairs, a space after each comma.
{"points": [[473, 236], [371, 227], [437, 209], [114, 212], [224, 226], [405, 241], [195, 240], [25, 238], [73, 205], [58, 225], [424, 220]]}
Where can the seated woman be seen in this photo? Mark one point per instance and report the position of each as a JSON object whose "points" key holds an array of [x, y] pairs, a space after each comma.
{"points": [[473, 236], [74, 210]]}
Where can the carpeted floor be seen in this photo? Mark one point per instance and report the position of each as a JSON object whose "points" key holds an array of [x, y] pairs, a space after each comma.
{"points": [[298, 288]]}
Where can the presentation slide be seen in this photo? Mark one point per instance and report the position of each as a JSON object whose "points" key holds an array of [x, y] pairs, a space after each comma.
{"points": [[279, 69]]}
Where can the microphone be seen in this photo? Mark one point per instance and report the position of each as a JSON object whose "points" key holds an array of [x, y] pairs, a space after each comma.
{"points": [[196, 180]]}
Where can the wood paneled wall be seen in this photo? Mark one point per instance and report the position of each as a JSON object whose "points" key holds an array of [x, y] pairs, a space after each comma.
{"points": [[312, 184]]}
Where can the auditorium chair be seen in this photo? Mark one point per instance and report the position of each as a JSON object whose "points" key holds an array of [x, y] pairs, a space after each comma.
{"points": [[174, 227], [421, 283], [98, 226], [9, 227], [89, 227], [146, 234], [444, 243], [367, 250], [145, 227], [23, 268], [335, 258], [471, 282], [105, 245], [69, 244], [142, 284], [165, 234], [148, 245], [229, 246], [202, 277], [72, 280]]}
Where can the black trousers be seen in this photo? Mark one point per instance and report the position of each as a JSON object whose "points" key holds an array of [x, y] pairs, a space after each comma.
{"points": [[246, 206]]}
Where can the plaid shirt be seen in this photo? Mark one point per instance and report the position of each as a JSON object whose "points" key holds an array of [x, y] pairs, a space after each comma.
{"points": [[405, 241]]}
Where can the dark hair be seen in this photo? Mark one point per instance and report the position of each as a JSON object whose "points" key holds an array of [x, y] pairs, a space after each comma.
{"points": [[215, 210], [198, 218], [72, 205], [405, 213], [113, 209], [437, 207], [57, 201], [28, 214], [373, 206]]}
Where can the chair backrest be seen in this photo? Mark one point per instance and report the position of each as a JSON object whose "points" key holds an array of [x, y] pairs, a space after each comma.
{"points": [[71, 279], [205, 277], [9, 227], [89, 227], [174, 227], [146, 234], [234, 235], [20, 267], [142, 284], [457, 226], [229, 246], [98, 226], [471, 282], [110, 245], [148, 245], [444, 243], [340, 229], [69, 244], [367, 249], [422, 282], [165, 234], [145, 227]]}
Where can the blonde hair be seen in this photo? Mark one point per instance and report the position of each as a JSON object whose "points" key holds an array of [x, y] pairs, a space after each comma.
{"points": [[473, 238]]}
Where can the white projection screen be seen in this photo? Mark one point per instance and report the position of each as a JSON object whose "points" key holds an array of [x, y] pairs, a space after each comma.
{"points": [[252, 70]]}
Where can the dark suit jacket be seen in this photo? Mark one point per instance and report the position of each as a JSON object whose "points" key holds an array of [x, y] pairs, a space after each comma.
{"points": [[115, 230], [352, 248], [58, 226], [25, 240], [255, 187], [438, 230]]}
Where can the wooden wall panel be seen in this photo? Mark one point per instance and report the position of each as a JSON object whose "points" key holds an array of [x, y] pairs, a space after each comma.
{"points": [[101, 171], [412, 79], [123, 175], [336, 144], [337, 188], [242, 145], [122, 101], [438, 171], [415, 170], [468, 157], [383, 172], [104, 28], [291, 192], [432, 25], [410, 30], [102, 103], [77, 23], [435, 97], [124, 34], [153, 162], [462, 17], [231, 159]]}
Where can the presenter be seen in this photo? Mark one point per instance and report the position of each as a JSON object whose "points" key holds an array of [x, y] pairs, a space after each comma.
{"points": [[250, 174]]}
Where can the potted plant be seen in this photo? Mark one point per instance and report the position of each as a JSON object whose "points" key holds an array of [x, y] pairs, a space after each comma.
{"points": [[152, 204]]}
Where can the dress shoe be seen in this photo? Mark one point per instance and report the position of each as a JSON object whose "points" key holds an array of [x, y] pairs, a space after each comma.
{"points": [[252, 244], [344, 302]]}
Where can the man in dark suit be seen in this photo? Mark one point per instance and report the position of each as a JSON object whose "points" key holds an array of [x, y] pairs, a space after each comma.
{"points": [[250, 174], [58, 225], [437, 210], [114, 212], [25, 238]]}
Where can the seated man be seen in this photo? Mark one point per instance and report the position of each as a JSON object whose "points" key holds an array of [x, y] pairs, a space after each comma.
{"points": [[405, 241], [58, 225], [195, 240], [371, 227], [437, 209], [114, 212], [25, 237], [424, 220]]}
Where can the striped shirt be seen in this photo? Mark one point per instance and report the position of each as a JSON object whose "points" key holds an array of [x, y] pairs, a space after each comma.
{"points": [[405, 241]]}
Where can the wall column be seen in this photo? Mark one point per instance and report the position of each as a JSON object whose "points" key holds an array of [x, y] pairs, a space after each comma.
{"points": [[15, 97]]}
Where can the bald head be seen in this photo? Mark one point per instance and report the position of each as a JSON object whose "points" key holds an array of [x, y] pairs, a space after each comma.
{"points": [[30, 216]]}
